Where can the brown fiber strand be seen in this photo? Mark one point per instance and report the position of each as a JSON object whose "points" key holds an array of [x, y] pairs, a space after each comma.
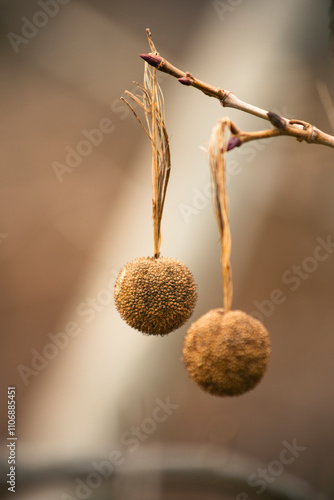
{"points": [[152, 103], [217, 150]]}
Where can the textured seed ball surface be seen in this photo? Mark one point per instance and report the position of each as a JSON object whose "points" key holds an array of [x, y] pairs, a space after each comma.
{"points": [[227, 354], [155, 295]]}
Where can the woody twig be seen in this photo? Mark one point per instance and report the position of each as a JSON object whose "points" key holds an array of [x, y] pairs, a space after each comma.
{"points": [[301, 130]]}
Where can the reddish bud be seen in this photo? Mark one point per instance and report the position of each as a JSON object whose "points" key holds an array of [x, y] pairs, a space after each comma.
{"points": [[151, 59], [233, 142], [184, 80]]}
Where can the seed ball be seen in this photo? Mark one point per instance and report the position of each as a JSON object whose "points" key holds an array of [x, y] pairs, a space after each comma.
{"points": [[227, 354], [155, 295]]}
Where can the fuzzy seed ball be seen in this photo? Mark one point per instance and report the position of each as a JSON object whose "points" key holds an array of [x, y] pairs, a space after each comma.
{"points": [[227, 354], [155, 295]]}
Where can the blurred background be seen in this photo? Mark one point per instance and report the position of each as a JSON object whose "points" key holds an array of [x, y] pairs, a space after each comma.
{"points": [[76, 206]]}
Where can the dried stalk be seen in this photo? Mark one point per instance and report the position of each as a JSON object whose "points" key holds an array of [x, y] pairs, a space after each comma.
{"points": [[217, 150], [301, 130], [152, 103]]}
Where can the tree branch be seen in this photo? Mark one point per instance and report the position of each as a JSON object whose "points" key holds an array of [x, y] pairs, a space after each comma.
{"points": [[301, 130]]}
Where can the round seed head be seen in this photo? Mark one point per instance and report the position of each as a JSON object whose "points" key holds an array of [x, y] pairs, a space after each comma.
{"points": [[226, 353], [155, 295]]}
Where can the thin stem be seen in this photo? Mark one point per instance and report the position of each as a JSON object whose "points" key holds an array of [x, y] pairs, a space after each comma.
{"points": [[302, 131], [217, 150], [151, 83], [155, 170]]}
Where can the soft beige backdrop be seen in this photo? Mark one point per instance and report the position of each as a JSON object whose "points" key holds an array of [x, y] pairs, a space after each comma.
{"points": [[62, 243]]}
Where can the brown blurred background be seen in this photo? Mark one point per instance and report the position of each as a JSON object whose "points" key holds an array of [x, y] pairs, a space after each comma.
{"points": [[67, 228]]}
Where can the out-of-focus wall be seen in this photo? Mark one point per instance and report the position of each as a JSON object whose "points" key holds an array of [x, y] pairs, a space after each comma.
{"points": [[70, 221]]}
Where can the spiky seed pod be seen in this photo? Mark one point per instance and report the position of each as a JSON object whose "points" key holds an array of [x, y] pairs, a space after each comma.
{"points": [[155, 295], [226, 353]]}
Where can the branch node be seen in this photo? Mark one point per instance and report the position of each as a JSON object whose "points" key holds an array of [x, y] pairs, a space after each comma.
{"points": [[223, 96], [313, 134]]}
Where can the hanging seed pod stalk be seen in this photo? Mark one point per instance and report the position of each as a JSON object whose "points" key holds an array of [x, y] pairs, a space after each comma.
{"points": [[216, 151], [225, 352], [155, 295], [152, 102]]}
